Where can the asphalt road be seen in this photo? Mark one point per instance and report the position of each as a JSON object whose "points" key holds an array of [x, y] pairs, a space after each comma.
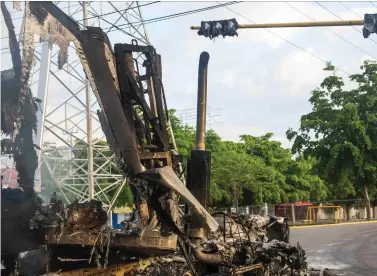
{"points": [[347, 250]]}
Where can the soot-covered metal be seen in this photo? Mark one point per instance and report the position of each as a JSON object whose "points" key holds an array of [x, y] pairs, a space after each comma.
{"points": [[154, 241]]}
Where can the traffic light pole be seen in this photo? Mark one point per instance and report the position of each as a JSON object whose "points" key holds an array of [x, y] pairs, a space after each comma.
{"points": [[297, 24]]}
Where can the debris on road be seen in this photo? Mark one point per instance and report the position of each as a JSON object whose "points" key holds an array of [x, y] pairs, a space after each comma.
{"points": [[155, 242]]}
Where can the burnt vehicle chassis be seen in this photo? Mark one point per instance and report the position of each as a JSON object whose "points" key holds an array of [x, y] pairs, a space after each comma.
{"points": [[134, 118]]}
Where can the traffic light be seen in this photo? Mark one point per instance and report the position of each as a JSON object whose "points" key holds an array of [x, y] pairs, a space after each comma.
{"points": [[213, 29], [370, 24]]}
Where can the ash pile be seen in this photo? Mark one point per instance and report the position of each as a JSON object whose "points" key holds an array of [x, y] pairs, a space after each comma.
{"points": [[255, 245], [242, 245]]}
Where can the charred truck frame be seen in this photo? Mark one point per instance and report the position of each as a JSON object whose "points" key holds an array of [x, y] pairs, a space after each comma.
{"points": [[134, 118]]}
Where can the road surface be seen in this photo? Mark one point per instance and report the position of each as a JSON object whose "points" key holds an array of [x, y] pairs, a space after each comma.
{"points": [[347, 250]]}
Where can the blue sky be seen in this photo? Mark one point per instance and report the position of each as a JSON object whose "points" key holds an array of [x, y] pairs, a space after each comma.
{"points": [[260, 82]]}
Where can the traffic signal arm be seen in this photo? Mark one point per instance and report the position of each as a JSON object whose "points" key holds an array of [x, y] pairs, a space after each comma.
{"points": [[297, 24]]}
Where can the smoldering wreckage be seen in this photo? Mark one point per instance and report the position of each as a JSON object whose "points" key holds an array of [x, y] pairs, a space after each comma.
{"points": [[75, 239]]}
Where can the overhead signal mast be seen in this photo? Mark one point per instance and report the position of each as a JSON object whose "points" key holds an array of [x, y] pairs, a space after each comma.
{"points": [[229, 27]]}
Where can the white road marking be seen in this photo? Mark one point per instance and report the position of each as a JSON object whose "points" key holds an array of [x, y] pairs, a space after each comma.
{"points": [[335, 243], [347, 239]]}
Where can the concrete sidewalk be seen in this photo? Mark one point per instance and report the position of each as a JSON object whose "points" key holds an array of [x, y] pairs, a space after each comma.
{"points": [[351, 222]]}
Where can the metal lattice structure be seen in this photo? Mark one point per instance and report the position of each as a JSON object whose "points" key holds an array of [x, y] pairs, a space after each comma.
{"points": [[214, 117], [74, 160]]}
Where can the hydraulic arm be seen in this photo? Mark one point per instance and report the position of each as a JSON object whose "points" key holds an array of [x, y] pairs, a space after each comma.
{"points": [[140, 141], [134, 117]]}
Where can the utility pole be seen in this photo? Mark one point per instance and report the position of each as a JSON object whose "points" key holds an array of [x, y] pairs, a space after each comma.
{"points": [[88, 119]]}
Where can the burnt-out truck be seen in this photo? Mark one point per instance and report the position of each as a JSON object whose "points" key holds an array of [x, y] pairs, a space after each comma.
{"points": [[75, 239]]}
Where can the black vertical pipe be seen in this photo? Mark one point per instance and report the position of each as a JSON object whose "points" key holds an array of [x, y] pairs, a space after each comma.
{"points": [[202, 102], [198, 175]]}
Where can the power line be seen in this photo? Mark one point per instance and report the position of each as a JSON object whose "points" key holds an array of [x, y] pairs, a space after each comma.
{"points": [[99, 16], [332, 31], [343, 20], [118, 11], [18, 18], [167, 17], [373, 4], [350, 10], [286, 40], [171, 16]]}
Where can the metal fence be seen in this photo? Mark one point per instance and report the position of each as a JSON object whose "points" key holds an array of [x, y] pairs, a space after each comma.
{"points": [[297, 212]]}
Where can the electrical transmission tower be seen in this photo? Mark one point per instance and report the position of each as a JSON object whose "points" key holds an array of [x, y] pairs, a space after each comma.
{"points": [[74, 160], [214, 118]]}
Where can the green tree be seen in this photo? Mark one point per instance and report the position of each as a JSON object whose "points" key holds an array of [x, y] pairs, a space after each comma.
{"points": [[253, 171], [341, 133], [184, 135], [294, 177], [242, 178], [301, 183]]}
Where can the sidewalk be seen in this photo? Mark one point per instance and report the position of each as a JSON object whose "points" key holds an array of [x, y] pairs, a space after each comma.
{"points": [[326, 223]]}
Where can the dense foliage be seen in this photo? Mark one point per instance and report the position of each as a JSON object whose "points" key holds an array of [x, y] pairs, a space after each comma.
{"points": [[253, 171], [341, 133], [334, 154]]}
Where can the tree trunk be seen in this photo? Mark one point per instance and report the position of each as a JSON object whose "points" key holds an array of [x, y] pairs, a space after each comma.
{"points": [[235, 198], [348, 210], [367, 199]]}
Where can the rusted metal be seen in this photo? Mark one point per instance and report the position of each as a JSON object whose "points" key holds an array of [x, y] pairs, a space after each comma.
{"points": [[243, 269], [166, 265], [122, 126], [167, 177], [202, 102], [144, 212], [149, 243], [80, 229], [166, 156], [210, 259], [114, 270], [198, 182], [86, 215]]}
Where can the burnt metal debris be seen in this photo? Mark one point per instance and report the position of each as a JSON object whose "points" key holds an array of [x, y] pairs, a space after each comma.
{"points": [[18, 122], [157, 240]]}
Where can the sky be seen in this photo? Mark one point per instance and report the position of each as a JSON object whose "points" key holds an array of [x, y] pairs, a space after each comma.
{"points": [[260, 82]]}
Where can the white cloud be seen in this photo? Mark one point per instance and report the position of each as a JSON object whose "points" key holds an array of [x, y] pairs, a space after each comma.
{"points": [[285, 143], [272, 12], [249, 87], [229, 78], [299, 69], [254, 63], [238, 81], [191, 89], [232, 133]]}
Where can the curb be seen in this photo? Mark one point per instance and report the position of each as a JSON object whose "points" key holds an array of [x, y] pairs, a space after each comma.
{"points": [[333, 224]]}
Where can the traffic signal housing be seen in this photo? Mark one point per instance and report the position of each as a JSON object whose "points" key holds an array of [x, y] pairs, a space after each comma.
{"points": [[213, 29], [370, 24]]}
